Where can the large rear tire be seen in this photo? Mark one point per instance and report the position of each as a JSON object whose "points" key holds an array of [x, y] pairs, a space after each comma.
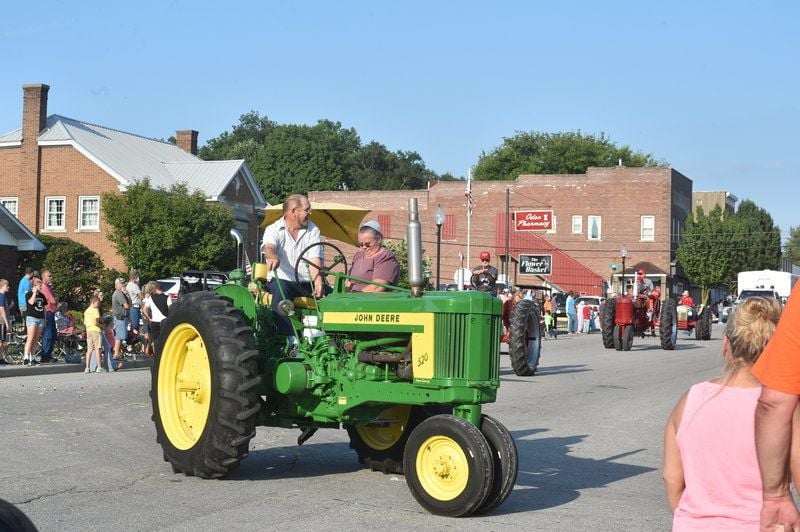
{"points": [[668, 324], [506, 463], [607, 327], [704, 324], [204, 386], [448, 466], [525, 338]]}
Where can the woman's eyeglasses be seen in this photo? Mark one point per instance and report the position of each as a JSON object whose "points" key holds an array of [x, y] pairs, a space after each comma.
{"points": [[365, 244]]}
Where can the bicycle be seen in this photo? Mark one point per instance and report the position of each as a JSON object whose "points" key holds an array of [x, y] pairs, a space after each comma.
{"points": [[15, 349]]}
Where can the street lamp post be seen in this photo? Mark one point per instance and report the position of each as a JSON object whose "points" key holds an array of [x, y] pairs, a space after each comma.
{"points": [[438, 218], [624, 253]]}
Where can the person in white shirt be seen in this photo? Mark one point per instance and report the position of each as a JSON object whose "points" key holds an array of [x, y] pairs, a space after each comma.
{"points": [[135, 293], [283, 241]]}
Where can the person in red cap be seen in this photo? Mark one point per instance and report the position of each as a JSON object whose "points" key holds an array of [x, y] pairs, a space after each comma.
{"points": [[487, 273]]}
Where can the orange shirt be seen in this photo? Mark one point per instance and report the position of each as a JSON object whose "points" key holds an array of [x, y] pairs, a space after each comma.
{"points": [[778, 367]]}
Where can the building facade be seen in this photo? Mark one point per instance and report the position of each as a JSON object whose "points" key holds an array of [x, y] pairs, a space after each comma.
{"points": [[708, 200], [565, 232], [54, 171]]}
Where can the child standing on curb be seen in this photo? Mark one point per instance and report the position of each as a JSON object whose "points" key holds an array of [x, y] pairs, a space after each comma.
{"points": [[91, 319], [549, 326], [711, 470]]}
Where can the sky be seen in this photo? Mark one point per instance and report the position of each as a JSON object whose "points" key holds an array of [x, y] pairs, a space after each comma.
{"points": [[709, 87]]}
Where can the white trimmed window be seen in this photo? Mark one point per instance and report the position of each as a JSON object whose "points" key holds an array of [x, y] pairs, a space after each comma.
{"points": [[88, 212], [12, 204], [648, 228], [594, 227], [54, 213], [577, 225]]}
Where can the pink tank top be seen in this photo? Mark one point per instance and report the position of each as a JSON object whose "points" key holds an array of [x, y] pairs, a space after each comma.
{"points": [[716, 439]]}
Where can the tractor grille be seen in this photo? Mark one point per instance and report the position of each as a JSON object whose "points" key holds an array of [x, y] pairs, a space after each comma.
{"points": [[451, 346], [464, 351], [494, 349]]}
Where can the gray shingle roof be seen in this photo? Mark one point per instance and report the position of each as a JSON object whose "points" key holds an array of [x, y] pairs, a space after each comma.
{"points": [[130, 158], [24, 239]]}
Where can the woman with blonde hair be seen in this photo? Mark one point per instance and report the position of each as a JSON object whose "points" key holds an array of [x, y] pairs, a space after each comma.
{"points": [[711, 470]]}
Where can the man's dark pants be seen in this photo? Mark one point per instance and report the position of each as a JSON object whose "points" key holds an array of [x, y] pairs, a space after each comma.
{"points": [[288, 290], [48, 336]]}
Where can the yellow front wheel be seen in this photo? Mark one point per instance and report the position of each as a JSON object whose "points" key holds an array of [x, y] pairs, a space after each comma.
{"points": [[448, 466]]}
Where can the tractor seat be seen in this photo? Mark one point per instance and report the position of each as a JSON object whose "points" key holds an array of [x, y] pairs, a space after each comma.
{"points": [[299, 302]]}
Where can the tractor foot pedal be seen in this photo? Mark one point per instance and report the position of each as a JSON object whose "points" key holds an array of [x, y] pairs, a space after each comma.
{"points": [[305, 434]]}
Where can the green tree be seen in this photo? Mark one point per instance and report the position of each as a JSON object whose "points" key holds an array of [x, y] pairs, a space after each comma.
{"points": [[555, 153], [400, 249], [791, 250], [161, 232], [377, 168], [759, 244], [706, 249], [77, 270], [287, 159]]}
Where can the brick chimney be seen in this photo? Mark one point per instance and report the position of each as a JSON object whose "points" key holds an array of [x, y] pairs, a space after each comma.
{"points": [[34, 120], [186, 139]]}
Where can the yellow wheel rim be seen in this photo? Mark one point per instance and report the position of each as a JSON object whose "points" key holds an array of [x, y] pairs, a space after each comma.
{"points": [[184, 386], [392, 424], [442, 468]]}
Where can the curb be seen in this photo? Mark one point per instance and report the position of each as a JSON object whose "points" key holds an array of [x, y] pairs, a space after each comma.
{"points": [[62, 367]]}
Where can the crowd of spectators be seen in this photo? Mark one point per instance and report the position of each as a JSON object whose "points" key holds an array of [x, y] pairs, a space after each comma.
{"points": [[134, 316]]}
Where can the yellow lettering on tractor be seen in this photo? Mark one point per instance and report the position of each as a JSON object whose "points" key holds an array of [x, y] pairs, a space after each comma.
{"points": [[422, 342]]}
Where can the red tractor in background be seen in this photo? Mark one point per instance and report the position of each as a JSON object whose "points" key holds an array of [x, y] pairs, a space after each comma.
{"points": [[625, 317], [695, 319]]}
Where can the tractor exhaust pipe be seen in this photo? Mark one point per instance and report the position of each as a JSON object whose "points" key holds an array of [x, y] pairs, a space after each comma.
{"points": [[414, 242], [239, 246]]}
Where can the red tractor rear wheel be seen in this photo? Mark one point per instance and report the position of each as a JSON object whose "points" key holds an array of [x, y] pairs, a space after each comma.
{"points": [[607, 325], [668, 324]]}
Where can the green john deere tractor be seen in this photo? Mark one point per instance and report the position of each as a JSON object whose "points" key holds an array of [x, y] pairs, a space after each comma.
{"points": [[404, 372]]}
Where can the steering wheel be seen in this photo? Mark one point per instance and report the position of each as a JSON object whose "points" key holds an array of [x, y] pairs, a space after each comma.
{"points": [[324, 271], [483, 282]]}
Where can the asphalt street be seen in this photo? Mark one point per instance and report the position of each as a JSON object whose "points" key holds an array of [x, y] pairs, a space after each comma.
{"points": [[80, 453]]}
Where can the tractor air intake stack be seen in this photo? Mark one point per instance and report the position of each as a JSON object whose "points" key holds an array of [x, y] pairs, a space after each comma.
{"points": [[414, 249], [240, 251]]}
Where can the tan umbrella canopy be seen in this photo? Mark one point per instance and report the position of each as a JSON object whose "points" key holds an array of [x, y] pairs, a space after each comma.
{"points": [[335, 220]]}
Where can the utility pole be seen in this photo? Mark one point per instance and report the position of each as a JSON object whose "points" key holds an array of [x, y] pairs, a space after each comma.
{"points": [[508, 228]]}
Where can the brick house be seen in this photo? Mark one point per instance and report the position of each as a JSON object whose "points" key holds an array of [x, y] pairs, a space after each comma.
{"points": [[54, 170], [592, 216]]}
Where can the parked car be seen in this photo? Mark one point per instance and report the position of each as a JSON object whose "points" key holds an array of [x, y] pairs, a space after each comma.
{"points": [[744, 294], [724, 313], [594, 302], [190, 281], [559, 301]]}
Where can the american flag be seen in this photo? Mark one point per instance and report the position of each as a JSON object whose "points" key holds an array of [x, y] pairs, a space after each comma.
{"points": [[248, 268]]}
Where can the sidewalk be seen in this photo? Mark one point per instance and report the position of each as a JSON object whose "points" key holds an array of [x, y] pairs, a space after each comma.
{"points": [[18, 370]]}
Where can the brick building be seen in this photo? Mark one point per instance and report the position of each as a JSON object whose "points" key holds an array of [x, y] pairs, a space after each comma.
{"points": [[54, 170], [591, 216], [708, 200]]}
